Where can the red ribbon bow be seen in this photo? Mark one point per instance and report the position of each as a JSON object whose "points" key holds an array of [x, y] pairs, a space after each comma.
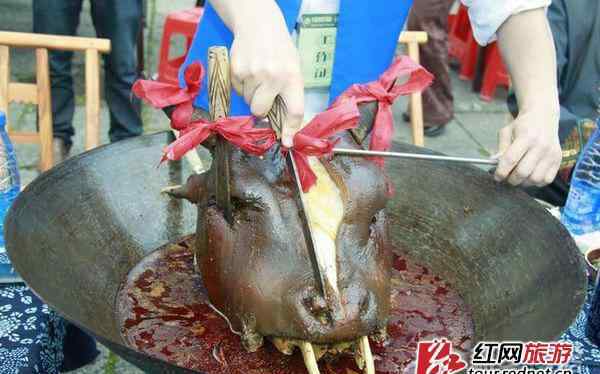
{"points": [[239, 131], [313, 139], [161, 95], [385, 91]]}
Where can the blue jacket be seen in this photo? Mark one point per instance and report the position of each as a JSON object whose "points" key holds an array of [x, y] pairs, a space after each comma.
{"points": [[367, 37]]}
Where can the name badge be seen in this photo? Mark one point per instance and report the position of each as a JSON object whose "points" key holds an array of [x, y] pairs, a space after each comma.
{"points": [[316, 43]]}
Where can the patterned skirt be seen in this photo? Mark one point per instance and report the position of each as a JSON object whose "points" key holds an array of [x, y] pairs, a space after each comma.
{"points": [[586, 355], [33, 338]]}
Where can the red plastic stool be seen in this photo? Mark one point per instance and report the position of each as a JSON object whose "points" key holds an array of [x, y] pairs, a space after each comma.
{"points": [[462, 44], [184, 23], [495, 73]]}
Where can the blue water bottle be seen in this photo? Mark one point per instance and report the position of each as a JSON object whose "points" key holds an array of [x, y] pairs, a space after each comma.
{"points": [[581, 214], [10, 186]]}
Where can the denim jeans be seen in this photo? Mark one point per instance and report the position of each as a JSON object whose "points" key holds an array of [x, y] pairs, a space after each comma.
{"points": [[117, 20]]}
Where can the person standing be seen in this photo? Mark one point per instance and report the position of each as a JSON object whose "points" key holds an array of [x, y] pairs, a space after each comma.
{"points": [[265, 63], [431, 16], [117, 20]]}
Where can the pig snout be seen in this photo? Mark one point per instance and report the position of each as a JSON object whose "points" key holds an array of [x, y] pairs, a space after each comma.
{"points": [[359, 310]]}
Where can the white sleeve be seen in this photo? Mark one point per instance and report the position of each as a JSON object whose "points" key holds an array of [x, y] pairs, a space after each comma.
{"points": [[488, 15]]}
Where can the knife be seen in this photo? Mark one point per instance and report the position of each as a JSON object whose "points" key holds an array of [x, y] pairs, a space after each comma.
{"points": [[307, 228], [276, 117], [219, 94]]}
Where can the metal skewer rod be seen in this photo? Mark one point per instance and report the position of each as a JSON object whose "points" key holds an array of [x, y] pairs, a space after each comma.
{"points": [[416, 156]]}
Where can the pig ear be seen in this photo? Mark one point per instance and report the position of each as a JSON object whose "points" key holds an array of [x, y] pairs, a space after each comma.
{"points": [[365, 125]]}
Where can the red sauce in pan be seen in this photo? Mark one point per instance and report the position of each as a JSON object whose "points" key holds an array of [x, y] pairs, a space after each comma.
{"points": [[164, 312]]}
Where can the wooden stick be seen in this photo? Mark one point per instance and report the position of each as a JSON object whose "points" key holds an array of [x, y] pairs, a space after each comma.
{"points": [[92, 105], [420, 37], [416, 103], [365, 350], [193, 158], [310, 360], [64, 43], [44, 99]]}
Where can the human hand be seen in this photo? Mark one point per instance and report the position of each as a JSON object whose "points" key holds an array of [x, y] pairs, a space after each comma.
{"points": [[530, 152], [264, 64]]}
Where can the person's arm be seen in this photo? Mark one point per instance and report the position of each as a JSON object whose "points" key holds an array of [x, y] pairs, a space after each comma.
{"points": [[557, 16], [530, 147], [264, 60]]}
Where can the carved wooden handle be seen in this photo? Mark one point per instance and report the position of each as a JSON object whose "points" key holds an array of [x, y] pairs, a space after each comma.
{"points": [[277, 115], [219, 82], [219, 97]]}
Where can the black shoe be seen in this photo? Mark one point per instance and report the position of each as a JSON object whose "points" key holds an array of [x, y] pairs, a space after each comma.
{"points": [[433, 131], [60, 150]]}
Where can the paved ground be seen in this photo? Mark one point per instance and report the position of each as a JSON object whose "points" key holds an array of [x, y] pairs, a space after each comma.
{"points": [[472, 133]]}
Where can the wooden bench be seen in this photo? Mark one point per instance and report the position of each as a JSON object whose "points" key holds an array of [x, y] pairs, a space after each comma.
{"points": [[39, 93]]}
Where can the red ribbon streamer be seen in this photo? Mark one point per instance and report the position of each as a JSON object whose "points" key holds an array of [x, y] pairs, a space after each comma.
{"points": [[239, 131], [314, 139], [161, 95], [385, 91]]}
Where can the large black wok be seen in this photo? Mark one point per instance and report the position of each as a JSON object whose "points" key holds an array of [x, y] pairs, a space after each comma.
{"points": [[76, 232]]}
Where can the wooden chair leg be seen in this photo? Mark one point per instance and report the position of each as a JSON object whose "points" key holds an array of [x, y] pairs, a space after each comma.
{"points": [[44, 109], [4, 78], [416, 104], [92, 89]]}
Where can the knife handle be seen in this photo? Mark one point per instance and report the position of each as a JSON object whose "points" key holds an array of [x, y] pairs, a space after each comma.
{"points": [[219, 99], [219, 83], [277, 115]]}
